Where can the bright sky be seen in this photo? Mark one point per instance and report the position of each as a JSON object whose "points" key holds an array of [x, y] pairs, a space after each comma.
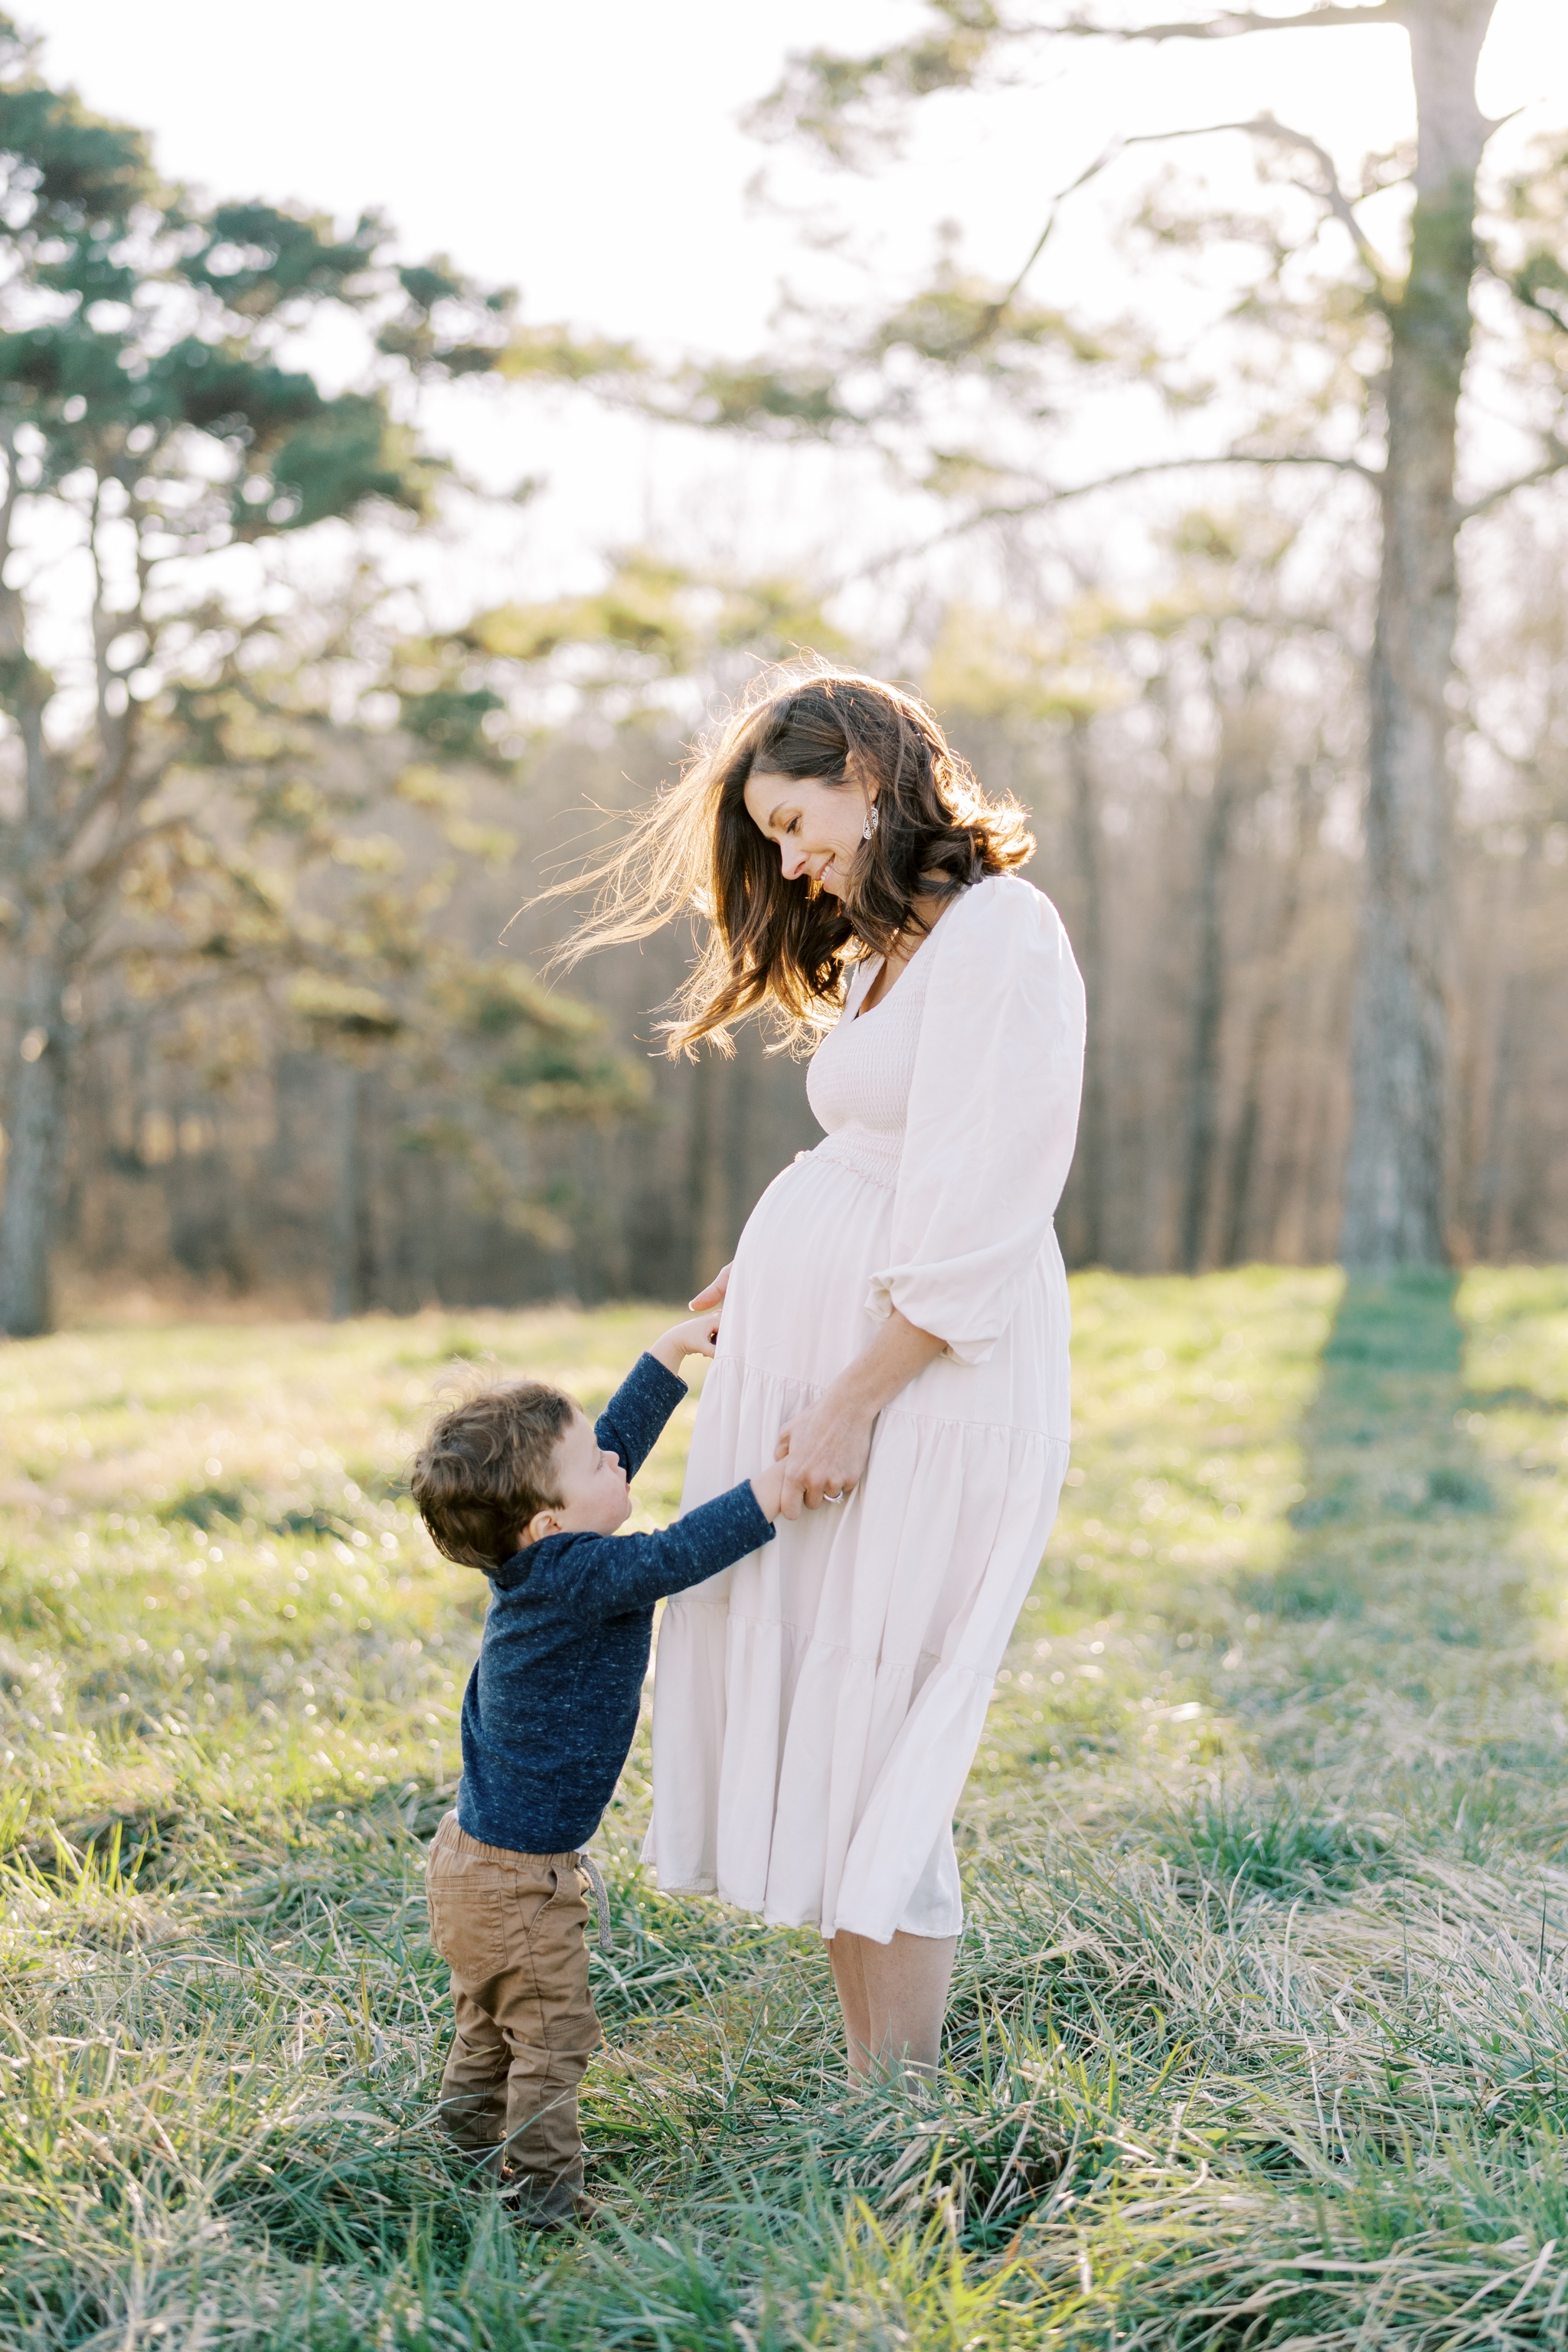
{"points": [[594, 156]]}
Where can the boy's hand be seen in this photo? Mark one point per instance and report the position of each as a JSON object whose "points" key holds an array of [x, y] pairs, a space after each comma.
{"points": [[695, 1336], [768, 1488]]}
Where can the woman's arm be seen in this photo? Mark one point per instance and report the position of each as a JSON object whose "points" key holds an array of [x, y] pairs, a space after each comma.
{"points": [[992, 1111], [825, 1448]]}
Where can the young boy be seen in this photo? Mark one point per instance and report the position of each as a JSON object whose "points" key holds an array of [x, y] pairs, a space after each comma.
{"points": [[517, 1482]]}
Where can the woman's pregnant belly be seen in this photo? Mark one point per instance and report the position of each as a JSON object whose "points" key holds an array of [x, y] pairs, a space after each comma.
{"points": [[796, 1306]]}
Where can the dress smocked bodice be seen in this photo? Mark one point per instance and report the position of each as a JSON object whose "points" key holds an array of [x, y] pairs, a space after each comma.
{"points": [[860, 1077]]}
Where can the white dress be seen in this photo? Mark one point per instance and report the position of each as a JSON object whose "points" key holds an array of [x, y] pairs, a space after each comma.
{"points": [[817, 1706]]}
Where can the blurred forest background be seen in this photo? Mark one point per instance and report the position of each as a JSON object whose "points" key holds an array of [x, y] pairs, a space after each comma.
{"points": [[267, 820]]}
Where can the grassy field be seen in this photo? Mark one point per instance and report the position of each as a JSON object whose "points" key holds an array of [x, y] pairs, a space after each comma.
{"points": [[1260, 2028]]}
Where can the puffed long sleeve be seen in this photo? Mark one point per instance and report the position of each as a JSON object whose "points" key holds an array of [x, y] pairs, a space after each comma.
{"points": [[992, 1118]]}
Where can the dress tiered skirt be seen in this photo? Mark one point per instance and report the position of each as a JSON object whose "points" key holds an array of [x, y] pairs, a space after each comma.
{"points": [[818, 1704]]}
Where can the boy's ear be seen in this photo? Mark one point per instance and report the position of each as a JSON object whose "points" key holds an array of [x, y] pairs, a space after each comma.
{"points": [[543, 1524]]}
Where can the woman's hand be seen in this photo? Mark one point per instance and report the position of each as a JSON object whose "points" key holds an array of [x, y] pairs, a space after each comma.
{"points": [[825, 1448], [824, 1451], [714, 1294]]}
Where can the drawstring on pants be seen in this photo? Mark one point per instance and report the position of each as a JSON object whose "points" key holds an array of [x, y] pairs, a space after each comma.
{"points": [[594, 1877]]}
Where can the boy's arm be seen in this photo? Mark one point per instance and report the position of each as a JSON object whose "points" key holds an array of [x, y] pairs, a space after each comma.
{"points": [[631, 1421], [616, 1573]]}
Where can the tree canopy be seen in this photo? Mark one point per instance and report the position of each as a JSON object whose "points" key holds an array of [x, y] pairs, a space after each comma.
{"points": [[164, 412]]}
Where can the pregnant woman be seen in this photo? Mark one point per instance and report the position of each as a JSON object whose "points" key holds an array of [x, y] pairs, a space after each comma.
{"points": [[895, 1324]]}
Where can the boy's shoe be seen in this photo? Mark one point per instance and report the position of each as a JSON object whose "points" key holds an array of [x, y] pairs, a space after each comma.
{"points": [[557, 2207]]}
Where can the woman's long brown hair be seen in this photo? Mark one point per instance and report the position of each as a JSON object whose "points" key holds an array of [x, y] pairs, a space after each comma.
{"points": [[779, 947]]}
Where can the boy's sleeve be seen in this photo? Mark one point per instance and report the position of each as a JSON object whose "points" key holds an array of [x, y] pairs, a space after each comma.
{"points": [[624, 1573], [631, 1421]]}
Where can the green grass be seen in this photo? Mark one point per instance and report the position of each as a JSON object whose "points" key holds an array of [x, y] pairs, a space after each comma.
{"points": [[1260, 2028]]}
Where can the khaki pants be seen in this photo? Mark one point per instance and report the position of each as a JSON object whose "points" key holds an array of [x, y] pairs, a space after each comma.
{"points": [[509, 1927]]}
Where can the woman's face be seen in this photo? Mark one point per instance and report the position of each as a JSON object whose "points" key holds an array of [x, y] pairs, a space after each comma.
{"points": [[818, 827]]}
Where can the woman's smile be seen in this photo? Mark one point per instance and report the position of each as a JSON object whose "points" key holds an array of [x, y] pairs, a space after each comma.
{"points": [[818, 827]]}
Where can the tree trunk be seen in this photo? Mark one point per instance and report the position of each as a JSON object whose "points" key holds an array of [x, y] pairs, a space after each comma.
{"points": [[1494, 1084], [738, 1152], [1265, 1029], [36, 1101], [1489, 1235], [353, 1268], [707, 1174], [35, 1147], [1394, 1180], [1090, 1158], [1208, 1011]]}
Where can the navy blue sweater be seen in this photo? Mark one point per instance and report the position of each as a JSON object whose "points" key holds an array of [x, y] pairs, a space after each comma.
{"points": [[551, 1704]]}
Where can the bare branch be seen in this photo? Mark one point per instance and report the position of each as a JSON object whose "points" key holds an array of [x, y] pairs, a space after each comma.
{"points": [[1266, 126], [1004, 303], [1233, 22], [124, 843], [1181, 465], [1026, 507], [1552, 465], [1261, 126], [145, 1011]]}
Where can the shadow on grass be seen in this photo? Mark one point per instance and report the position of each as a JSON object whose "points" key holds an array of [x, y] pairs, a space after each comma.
{"points": [[1373, 1691], [1386, 1453], [1400, 1624]]}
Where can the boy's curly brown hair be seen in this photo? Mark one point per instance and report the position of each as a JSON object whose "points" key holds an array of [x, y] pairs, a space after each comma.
{"points": [[488, 1465]]}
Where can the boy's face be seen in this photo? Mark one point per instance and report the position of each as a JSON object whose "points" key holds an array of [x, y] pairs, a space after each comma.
{"points": [[594, 1496]]}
